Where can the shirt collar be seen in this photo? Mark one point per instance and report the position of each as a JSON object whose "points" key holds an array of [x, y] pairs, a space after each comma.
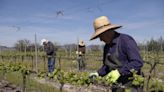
{"points": [[114, 41]]}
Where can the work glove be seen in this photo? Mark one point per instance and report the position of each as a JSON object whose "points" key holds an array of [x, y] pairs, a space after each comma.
{"points": [[80, 53], [113, 76], [95, 74], [77, 52], [92, 76]]}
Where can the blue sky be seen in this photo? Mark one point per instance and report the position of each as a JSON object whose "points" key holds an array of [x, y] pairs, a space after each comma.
{"points": [[65, 21]]}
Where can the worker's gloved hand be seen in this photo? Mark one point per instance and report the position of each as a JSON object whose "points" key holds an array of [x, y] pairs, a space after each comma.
{"points": [[92, 77], [95, 74], [80, 53], [77, 52], [113, 76]]}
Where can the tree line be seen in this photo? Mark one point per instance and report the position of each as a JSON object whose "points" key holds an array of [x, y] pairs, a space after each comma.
{"points": [[156, 45], [26, 45]]}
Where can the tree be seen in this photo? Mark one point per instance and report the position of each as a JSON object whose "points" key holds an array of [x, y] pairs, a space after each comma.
{"points": [[21, 45], [96, 47], [69, 48], [155, 45]]}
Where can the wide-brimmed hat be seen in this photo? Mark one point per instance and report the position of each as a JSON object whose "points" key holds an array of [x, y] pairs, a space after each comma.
{"points": [[81, 43], [102, 24]]}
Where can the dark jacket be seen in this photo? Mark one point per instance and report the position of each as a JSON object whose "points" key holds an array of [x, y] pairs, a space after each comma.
{"points": [[49, 49], [81, 49], [128, 55]]}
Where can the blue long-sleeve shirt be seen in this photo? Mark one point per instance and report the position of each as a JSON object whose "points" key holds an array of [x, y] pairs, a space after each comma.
{"points": [[128, 54]]}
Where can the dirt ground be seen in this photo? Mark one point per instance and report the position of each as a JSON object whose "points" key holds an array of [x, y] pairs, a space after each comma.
{"points": [[72, 88], [5, 86]]}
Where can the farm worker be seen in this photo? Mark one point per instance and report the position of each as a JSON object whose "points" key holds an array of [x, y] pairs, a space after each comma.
{"points": [[81, 55], [121, 55], [50, 51]]}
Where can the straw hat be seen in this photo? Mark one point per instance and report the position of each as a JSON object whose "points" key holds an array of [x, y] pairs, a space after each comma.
{"points": [[81, 43], [102, 24]]}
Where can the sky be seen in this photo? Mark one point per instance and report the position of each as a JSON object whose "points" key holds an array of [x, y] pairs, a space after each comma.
{"points": [[67, 21]]}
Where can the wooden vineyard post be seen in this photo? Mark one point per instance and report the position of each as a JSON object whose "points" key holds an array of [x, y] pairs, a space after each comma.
{"points": [[44, 61], [24, 81], [59, 62], [32, 62]]}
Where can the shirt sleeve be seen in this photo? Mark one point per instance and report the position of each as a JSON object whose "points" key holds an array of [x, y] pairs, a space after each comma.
{"points": [[104, 69], [134, 60]]}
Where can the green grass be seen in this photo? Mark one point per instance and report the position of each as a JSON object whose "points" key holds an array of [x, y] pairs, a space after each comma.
{"points": [[92, 64], [31, 85]]}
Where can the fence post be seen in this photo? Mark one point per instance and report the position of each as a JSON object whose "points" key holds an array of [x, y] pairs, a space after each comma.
{"points": [[44, 61], [149, 76], [24, 81], [59, 62], [32, 63]]}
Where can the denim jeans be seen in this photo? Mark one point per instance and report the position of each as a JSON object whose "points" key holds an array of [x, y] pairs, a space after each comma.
{"points": [[81, 63], [51, 64]]}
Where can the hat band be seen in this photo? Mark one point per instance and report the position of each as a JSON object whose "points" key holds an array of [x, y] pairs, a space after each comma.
{"points": [[102, 26]]}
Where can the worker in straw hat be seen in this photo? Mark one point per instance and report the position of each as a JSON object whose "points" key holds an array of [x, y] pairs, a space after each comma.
{"points": [[50, 51], [121, 55], [81, 55]]}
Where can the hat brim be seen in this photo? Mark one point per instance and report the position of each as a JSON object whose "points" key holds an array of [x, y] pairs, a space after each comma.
{"points": [[102, 30]]}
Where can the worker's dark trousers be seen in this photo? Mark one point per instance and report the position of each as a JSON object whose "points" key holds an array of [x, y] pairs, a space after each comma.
{"points": [[124, 80], [131, 89], [51, 64], [81, 63]]}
